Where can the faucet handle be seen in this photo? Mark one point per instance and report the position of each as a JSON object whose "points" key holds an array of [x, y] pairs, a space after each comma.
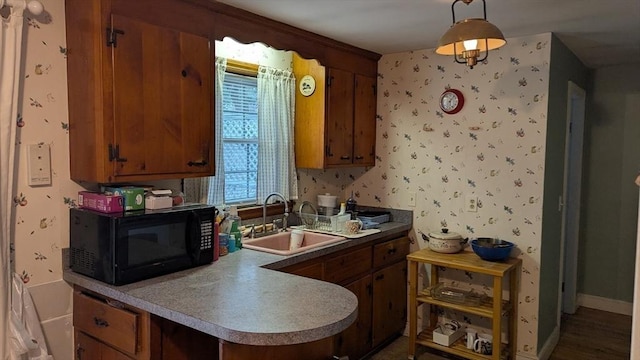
{"points": [[275, 224]]}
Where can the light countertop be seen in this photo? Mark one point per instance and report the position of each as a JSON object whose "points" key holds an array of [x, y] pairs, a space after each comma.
{"points": [[241, 299]]}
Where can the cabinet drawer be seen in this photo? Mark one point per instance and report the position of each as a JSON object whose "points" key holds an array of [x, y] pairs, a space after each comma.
{"points": [[390, 251], [113, 326], [311, 270], [348, 265]]}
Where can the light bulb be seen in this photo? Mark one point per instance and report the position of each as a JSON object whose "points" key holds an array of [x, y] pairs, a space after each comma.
{"points": [[470, 44], [35, 7]]}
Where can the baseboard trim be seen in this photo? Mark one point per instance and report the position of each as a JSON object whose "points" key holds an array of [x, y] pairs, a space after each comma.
{"points": [[550, 344], [605, 304]]}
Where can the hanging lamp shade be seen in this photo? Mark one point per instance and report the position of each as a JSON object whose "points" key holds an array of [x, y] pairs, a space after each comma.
{"points": [[488, 35], [467, 38]]}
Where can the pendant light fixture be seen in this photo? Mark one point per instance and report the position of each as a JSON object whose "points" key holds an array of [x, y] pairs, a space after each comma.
{"points": [[467, 38]]}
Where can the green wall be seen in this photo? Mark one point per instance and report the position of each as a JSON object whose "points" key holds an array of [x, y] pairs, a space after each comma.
{"points": [[606, 259], [564, 67]]}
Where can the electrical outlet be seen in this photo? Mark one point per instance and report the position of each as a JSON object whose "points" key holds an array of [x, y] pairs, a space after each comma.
{"points": [[471, 203], [38, 165], [412, 199]]}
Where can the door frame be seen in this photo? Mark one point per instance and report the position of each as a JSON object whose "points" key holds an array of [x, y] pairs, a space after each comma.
{"points": [[571, 198]]}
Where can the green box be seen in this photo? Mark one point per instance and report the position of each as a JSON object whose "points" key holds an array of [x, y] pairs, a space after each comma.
{"points": [[133, 196]]}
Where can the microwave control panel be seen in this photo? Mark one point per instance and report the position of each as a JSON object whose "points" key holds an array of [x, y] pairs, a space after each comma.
{"points": [[206, 237]]}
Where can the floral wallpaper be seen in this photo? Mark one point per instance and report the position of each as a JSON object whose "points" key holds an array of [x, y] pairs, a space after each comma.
{"points": [[41, 212], [492, 150]]}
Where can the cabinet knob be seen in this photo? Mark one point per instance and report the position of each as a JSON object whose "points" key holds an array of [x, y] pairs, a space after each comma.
{"points": [[345, 157], [359, 157]]}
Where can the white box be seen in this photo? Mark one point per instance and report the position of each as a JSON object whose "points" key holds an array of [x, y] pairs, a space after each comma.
{"points": [[446, 337], [158, 202]]}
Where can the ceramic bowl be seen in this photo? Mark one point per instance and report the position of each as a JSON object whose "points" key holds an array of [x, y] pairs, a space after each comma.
{"points": [[492, 249]]}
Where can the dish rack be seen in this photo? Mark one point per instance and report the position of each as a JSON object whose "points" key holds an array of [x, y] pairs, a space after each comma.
{"points": [[334, 223]]}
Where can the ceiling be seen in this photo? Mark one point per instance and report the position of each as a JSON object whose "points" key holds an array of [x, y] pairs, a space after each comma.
{"points": [[600, 32]]}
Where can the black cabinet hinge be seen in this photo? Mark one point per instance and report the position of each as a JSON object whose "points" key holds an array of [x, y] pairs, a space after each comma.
{"points": [[327, 151], [112, 36], [114, 154], [329, 77]]}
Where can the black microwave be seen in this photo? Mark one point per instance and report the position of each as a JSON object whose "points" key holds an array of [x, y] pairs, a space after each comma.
{"points": [[126, 247]]}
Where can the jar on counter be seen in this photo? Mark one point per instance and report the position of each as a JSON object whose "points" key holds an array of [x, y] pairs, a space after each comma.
{"points": [[224, 243]]}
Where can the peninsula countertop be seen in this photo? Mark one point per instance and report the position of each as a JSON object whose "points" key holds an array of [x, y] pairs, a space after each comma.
{"points": [[241, 299]]}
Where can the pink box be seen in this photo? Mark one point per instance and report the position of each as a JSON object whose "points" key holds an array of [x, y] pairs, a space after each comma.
{"points": [[100, 202]]}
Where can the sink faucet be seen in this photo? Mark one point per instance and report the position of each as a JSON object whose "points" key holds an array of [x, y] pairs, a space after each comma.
{"points": [[264, 212]]}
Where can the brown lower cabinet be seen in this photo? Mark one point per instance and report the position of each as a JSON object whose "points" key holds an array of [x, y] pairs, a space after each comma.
{"points": [[377, 275]]}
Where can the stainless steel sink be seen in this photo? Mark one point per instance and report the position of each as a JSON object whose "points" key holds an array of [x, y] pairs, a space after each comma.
{"points": [[279, 243]]}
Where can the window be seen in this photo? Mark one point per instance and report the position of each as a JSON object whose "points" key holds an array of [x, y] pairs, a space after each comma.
{"points": [[240, 138]]}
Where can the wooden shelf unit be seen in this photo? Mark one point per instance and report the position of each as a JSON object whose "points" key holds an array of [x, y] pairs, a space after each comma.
{"points": [[488, 308]]}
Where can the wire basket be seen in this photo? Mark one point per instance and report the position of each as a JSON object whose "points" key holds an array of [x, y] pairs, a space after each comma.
{"points": [[333, 223]]}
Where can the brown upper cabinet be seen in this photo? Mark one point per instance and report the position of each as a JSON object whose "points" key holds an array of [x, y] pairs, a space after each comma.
{"points": [[140, 90], [140, 84], [336, 124]]}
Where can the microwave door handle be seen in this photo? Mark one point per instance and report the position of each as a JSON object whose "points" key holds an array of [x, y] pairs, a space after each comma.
{"points": [[194, 236]]}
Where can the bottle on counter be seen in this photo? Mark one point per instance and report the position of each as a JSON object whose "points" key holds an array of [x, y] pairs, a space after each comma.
{"points": [[343, 209], [235, 233], [351, 203]]}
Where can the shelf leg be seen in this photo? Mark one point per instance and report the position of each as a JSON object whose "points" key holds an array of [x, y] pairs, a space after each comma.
{"points": [[514, 285], [413, 308], [497, 317], [435, 278]]}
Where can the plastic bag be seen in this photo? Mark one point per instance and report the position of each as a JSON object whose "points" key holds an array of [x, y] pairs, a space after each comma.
{"points": [[26, 340]]}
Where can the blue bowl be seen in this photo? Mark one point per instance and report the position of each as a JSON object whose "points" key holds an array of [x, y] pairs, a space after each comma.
{"points": [[492, 249]]}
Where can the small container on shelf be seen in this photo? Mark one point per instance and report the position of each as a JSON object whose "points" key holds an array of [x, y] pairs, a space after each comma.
{"points": [[448, 333], [454, 295]]}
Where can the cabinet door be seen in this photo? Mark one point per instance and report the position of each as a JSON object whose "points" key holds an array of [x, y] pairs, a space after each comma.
{"points": [[364, 122], [355, 341], [339, 126], [179, 342], [88, 348], [389, 301], [162, 98]]}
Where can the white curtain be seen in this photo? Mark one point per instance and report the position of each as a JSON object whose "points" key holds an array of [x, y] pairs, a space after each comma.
{"points": [[276, 162], [210, 190], [10, 52]]}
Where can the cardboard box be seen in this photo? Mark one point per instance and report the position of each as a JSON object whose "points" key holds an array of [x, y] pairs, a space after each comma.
{"points": [[446, 337], [133, 196], [100, 202], [158, 202]]}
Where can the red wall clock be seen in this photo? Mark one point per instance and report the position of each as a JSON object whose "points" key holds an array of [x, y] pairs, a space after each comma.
{"points": [[451, 101]]}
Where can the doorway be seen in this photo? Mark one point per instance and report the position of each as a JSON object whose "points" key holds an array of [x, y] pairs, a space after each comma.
{"points": [[576, 99]]}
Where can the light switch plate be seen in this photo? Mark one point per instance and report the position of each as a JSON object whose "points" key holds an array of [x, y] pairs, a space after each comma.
{"points": [[412, 199], [38, 165]]}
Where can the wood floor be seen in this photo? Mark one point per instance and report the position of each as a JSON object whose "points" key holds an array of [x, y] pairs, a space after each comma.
{"points": [[589, 334], [592, 334]]}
